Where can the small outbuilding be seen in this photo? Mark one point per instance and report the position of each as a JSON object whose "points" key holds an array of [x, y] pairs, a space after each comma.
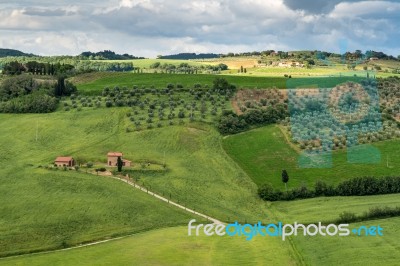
{"points": [[112, 159], [64, 161]]}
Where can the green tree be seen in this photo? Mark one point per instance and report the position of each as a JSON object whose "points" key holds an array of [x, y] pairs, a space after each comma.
{"points": [[285, 178], [60, 86], [119, 164], [222, 86]]}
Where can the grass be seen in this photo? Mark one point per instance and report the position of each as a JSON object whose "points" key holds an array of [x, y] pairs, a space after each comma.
{"points": [[48, 209], [93, 84], [42, 209], [264, 152], [328, 209], [170, 246], [353, 250], [161, 81]]}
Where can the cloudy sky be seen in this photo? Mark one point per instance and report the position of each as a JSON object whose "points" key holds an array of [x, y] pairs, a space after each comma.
{"points": [[152, 27]]}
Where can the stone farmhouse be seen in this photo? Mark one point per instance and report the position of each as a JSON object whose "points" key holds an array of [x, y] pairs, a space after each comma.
{"points": [[64, 161], [112, 158]]}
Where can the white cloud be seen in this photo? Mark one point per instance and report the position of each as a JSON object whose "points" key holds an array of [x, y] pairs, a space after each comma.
{"points": [[152, 27], [365, 8]]}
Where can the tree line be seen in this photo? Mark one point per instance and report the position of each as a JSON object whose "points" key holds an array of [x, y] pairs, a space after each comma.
{"points": [[37, 68], [53, 69], [23, 94], [187, 68], [188, 56], [107, 55], [231, 123], [360, 186]]}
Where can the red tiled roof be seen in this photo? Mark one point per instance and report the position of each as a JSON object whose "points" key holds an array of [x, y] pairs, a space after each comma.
{"points": [[114, 154], [64, 159]]}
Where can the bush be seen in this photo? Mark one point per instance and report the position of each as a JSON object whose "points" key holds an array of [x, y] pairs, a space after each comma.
{"points": [[33, 103], [322, 189], [230, 123], [347, 217], [266, 192], [372, 213]]}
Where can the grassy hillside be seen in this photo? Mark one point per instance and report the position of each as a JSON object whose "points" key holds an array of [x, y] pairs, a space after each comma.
{"points": [[169, 247], [173, 247], [328, 209], [93, 84], [43, 209], [264, 152], [161, 81], [48, 210], [353, 250]]}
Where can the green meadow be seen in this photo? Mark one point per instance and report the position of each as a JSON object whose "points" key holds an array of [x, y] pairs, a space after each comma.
{"points": [[48, 209], [45, 209], [328, 209], [173, 246], [162, 80], [170, 246], [262, 153], [354, 249], [96, 83]]}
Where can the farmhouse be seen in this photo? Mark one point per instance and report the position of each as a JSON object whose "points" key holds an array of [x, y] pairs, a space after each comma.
{"points": [[290, 64], [112, 159], [64, 161]]}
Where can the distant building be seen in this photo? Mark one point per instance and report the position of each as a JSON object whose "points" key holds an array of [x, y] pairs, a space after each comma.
{"points": [[112, 159], [64, 161], [290, 64], [373, 59]]}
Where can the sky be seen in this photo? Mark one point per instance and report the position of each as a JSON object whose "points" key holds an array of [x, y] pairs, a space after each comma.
{"points": [[160, 27]]}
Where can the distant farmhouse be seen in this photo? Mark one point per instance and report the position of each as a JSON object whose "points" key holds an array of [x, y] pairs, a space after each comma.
{"points": [[64, 161], [112, 159], [289, 64]]}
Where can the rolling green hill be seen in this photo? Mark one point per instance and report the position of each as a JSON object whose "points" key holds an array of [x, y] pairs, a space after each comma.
{"points": [[50, 209], [169, 246], [12, 52], [264, 152], [45, 209]]}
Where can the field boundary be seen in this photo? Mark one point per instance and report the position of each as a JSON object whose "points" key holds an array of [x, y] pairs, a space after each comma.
{"points": [[287, 139]]}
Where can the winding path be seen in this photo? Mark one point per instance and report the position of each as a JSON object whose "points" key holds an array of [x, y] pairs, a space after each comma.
{"points": [[215, 221]]}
